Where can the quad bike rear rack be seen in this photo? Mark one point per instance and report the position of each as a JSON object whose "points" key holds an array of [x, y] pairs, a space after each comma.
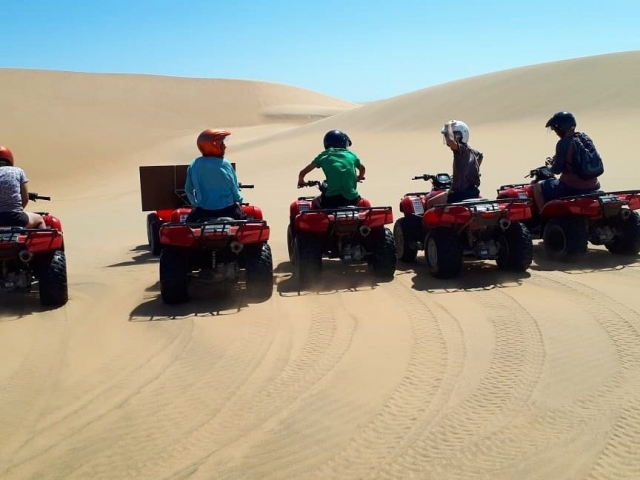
{"points": [[484, 216]]}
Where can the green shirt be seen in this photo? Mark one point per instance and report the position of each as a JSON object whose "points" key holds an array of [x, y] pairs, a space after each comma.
{"points": [[339, 167]]}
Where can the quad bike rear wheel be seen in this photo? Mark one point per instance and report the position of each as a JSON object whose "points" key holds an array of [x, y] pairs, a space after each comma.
{"points": [[52, 280], [153, 233], [307, 252], [406, 251], [290, 246], [566, 239], [628, 243], [174, 275], [384, 253], [259, 271], [443, 252], [516, 248]]}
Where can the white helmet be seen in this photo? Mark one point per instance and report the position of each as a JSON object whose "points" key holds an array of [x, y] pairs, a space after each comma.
{"points": [[458, 127]]}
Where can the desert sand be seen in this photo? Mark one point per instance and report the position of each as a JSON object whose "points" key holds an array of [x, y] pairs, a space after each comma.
{"points": [[486, 376]]}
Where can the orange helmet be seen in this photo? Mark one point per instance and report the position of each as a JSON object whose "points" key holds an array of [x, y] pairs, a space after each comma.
{"points": [[5, 154], [211, 142]]}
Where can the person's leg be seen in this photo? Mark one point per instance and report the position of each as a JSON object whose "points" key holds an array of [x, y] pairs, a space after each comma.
{"points": [[35, 220], [467, 194], [437, 200], [538, 195]]}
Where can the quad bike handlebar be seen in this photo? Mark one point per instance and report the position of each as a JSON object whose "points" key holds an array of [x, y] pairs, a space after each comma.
{"points": [[322, 185], [540, 173], [33, 196]]}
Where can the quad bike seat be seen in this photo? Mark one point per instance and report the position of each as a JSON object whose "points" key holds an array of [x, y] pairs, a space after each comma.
{"points": [[216, 220]]}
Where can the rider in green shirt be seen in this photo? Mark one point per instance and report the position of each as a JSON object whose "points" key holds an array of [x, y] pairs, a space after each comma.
{"points": [[339, 165]]}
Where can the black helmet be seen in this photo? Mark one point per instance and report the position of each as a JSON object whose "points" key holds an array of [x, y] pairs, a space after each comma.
{"points": [[336, 139], [562, 121]]}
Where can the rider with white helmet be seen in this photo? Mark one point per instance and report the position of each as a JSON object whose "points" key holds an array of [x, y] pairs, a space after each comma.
{"points": [[466, 165]]}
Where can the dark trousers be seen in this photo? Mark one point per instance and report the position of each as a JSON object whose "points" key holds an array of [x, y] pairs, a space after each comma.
{"points": [[234, 211]]}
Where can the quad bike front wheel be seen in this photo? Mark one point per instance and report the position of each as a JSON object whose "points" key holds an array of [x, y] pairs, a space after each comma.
{"points": [[384, 254], [259, 271], [405, 250], [516, 248], [153, 233], [628, 242], [443, 252], [174, 275], [566, 239], [52, 280]]}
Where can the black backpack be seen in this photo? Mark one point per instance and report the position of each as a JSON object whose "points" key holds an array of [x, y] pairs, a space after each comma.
{"points": [[585, 159]]}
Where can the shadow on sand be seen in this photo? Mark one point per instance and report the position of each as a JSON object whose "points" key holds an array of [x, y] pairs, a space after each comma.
{"points": [[141, 255], [475, 275], [335, 277], [207, 300], [18, 305], [596, 260]]}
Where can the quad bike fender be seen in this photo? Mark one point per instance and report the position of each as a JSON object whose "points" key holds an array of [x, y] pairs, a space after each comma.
{"points": [[177, 235], [179, 215], [315, 222], [364, 203], [253, 233], [253, 212], [378, 217], [587, 206], [413, 204], [456, 215], [44, 240], [164, 215], [300, 205], [52, 222]]}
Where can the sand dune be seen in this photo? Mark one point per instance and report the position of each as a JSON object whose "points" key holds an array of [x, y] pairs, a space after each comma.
{"points": [[485, 376]]}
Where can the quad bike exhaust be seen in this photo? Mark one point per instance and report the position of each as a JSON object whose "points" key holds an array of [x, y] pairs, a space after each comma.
{"points": [[25, 256], [504, 223], [236, 247], [365, 230], [625, 213]]}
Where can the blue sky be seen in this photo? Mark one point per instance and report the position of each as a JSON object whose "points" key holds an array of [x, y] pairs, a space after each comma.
{"points": [[358, 50]]}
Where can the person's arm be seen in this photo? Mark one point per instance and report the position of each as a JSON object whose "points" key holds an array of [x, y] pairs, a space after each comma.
{"points": [[306, 170], [361, 172], [188, 187], [450, 137], [235, 186], [24, 193], [562, 149]]}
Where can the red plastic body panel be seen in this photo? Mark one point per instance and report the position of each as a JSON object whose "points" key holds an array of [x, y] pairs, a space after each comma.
{"points": [[164, 215], [179, 215], [320, 221], [413, 204], [252, 211], [457, 215], [244, 232], [53, 222]]}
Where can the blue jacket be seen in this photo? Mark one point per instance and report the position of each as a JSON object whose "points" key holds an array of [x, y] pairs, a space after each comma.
{"points": [[212, 183]]}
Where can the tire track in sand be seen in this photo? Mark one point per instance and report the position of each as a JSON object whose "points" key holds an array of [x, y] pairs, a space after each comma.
{"points": [[35, 381], [429, 377], [215, 441], [513, 374], [501, 452]]}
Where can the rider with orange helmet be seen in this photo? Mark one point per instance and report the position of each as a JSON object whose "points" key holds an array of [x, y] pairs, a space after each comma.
{"points": [[212, 186], [14, 195]]}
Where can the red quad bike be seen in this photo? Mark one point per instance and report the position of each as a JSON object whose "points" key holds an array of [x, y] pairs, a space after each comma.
{"points": [[217, 250], [568, 224], [408, 231], [479, 229], [354, 234], [157, 218], [29, 255]]}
